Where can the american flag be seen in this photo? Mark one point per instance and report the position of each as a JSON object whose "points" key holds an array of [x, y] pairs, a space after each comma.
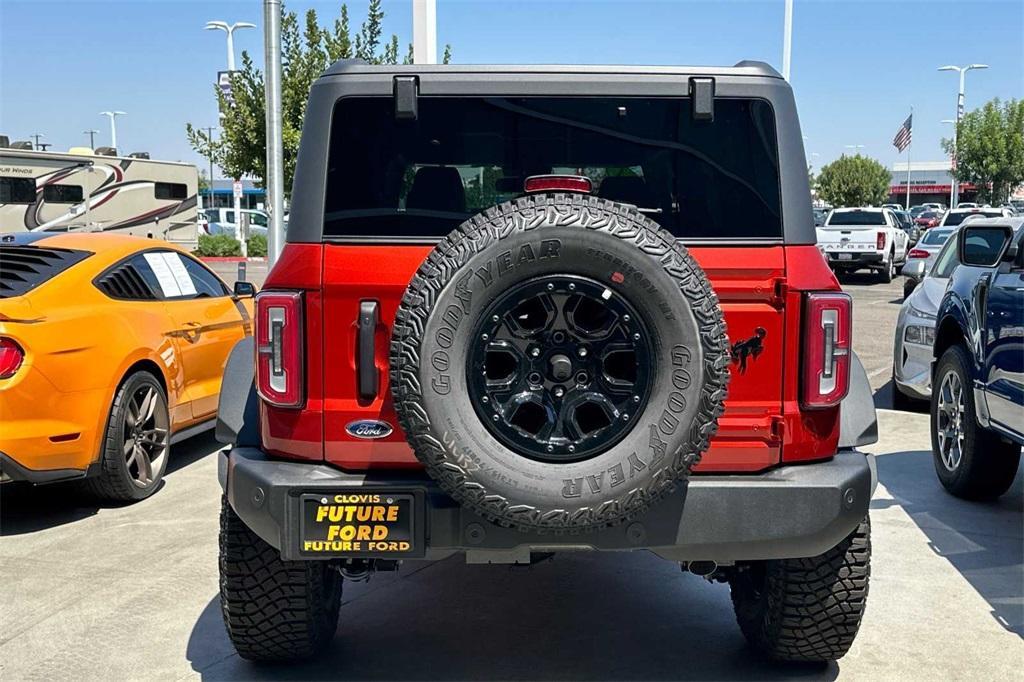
{"points": [[903, 135]]}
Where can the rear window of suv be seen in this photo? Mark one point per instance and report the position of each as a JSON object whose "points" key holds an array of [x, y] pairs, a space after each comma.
{"points": [[418, 179]]}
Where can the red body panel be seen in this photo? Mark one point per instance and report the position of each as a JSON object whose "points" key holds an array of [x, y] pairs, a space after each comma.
{"points": [[759, 287]]}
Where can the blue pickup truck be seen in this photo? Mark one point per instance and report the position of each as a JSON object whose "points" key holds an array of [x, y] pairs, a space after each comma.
{"points": [[977, 405]]}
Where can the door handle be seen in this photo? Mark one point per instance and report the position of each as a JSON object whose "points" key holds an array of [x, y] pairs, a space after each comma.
{"points": [[367, 374]]}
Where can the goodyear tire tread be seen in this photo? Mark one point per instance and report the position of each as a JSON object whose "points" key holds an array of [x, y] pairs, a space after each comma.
{"points": [[273, 610], [807, 609], [521, 215]]}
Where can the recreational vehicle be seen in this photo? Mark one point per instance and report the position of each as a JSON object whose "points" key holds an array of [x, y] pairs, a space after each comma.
{"points": [[84, 191]]}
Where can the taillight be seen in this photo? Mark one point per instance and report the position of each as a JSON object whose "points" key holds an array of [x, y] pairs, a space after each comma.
{"points": [[11, 357], [279, 348], [917, 253], [880, 241], [558, 183], [826, 357]]}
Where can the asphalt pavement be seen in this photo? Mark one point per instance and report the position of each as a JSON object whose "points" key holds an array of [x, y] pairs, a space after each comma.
{"points": [[100, 593]]}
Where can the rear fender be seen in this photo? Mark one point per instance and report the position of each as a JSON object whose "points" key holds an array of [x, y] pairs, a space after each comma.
{"points": [[859, 423], [237, 410]]}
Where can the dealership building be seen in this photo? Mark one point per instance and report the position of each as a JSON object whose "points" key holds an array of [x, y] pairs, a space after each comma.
{"points": [[930, 181]]}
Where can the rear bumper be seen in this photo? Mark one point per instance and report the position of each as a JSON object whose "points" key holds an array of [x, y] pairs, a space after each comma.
{"points": [[11, 471], [855, 258], [788, 512]]}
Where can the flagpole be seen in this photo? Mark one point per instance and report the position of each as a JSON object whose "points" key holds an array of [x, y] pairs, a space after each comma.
{"points": [[909, 145]]}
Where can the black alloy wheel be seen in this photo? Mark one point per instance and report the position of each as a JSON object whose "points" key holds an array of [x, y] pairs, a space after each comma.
{"points": [[560, 366]]}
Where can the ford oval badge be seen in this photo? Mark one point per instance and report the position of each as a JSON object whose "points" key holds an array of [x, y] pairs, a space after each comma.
{"points": [[369, 429]]}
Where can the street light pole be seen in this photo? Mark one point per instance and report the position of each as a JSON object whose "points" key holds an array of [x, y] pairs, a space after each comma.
{"points": [[92, 137], [962, 70], [113, 126], [275, 149], [787, 39], [36, 136], [424, 31], [952, 186], [230, 29]]}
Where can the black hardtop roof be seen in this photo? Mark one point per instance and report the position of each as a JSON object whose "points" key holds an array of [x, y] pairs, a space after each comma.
{"points": [[358, 66]]}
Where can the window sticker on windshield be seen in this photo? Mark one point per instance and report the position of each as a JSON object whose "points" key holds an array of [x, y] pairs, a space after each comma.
{"points": [[171, 274]]}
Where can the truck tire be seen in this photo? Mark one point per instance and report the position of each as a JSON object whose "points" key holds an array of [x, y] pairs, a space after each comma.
{"points": [[888, 271], [559, 362], [274, 610], [971, 462], [805, 609]]}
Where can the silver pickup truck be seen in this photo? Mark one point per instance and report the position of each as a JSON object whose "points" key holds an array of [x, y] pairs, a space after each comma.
{"points": [[856, 238]]}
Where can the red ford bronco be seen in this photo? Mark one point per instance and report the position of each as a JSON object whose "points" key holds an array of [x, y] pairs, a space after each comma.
{"points": [[524, 310]]}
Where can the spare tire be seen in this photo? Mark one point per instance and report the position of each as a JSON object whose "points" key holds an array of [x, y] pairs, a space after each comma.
{"points": [[559, 362]]}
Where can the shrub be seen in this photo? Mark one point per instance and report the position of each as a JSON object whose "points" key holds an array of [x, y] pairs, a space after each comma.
{"points": [[219, 245], [257, 246]]}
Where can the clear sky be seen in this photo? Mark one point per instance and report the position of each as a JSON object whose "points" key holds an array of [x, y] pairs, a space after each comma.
{"points": [[857, 68]]}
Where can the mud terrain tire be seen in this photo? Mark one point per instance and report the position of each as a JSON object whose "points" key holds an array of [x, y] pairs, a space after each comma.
{"points": [[517, 244], [273, 610], [806, 609]]}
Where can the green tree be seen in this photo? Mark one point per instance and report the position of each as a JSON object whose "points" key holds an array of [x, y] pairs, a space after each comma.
{"points": [[307, 49], [853, 181], [989, 149]]}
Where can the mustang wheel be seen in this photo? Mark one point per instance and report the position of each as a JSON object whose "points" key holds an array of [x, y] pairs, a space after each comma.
{"points": [[137, 441], [559, 362]]}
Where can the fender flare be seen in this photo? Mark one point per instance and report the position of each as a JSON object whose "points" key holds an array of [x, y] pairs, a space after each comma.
{"points": [[858, 421], [237, 408]]}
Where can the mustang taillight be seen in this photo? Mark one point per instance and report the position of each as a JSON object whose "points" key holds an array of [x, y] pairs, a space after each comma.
{"points": [[279, 348], [826, 357], [558, 183], [880, 241], [917, 253], [11, 357]]}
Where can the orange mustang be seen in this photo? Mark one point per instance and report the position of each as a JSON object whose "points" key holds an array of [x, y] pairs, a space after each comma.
{"points": [[111, 348]]}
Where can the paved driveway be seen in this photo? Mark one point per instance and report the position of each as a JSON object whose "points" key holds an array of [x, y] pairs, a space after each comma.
{"points": [[131, 592]]}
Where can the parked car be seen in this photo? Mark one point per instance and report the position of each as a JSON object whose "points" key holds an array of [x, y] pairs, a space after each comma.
{"points": [[819, 216], [915, 211], [928, 219], [915, 325], [224, 221], [977, 429], [544, 376], [934, 206], [867, 237], [111, 349], [913, 231], [956, 216], [921, 257], [893, 207]]}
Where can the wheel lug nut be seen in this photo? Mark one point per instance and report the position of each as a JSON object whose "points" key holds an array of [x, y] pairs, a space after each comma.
{"points": [[485, 399], [636, 399], [485, 337], [625, 318], [572, 448], [625, 417], [551, 448], [535, 352], [495, 417], [636, 337], [559, 391], [495, 318], [572, 287], [551, 287], [582, 352]]}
